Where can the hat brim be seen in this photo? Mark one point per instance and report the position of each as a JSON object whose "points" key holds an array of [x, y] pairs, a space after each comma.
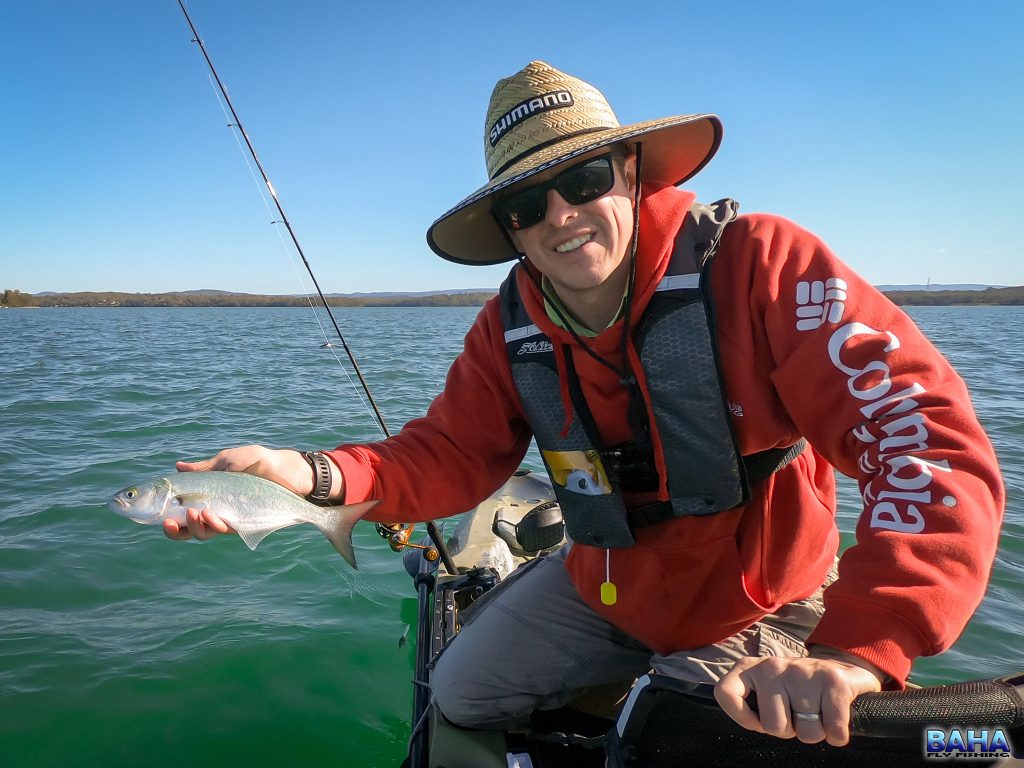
{"points": [[675, 148]]}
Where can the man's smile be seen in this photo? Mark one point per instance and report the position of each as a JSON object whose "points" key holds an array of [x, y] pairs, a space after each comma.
{"points": [[573, 244]]}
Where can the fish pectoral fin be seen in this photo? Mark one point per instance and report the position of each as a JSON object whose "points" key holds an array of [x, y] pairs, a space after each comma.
{"points": [[253, 536], [191, 501]]}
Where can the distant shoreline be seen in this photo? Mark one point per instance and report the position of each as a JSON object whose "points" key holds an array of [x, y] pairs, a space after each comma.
{"points": [[998, 297], [1009, 296], [228, 299]]}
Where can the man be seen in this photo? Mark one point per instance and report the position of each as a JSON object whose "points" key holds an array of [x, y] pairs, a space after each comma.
{"points": [[691, 378]]}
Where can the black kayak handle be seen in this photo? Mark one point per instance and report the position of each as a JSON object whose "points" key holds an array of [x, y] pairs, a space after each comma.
{"points": [[889, 727], [897, 714], [892, 714], [996, 702]]}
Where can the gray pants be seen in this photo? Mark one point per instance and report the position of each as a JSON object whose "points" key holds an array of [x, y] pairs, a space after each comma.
{"points": [[532, 643]]}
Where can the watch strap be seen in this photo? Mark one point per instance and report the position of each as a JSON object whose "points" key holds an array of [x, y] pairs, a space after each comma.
{"points": [[322, 476]]}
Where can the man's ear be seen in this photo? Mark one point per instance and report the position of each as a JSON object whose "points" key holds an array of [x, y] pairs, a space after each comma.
{"points": [[629, 172]]}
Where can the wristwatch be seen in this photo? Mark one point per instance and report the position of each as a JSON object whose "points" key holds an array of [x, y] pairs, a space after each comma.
{"points": [[322, 477]]}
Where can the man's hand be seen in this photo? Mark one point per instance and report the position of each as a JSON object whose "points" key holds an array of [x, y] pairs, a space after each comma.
{"points": [[199, 524], [285, 467], [808, 698]]}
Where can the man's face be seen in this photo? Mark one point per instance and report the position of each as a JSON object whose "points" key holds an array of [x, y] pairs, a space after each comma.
{"points": [[582, 249]]}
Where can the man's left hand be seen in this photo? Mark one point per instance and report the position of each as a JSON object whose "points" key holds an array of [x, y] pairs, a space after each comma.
{"points": [[808, 697]]}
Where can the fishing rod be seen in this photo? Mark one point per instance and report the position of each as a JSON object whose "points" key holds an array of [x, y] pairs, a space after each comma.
{"points": [[397, 534]]}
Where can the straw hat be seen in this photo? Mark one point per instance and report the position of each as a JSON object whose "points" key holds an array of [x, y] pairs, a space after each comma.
{"points": [[540, 117]]}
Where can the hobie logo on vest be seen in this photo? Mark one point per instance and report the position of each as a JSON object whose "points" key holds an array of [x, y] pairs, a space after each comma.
{"points": [[894, 430], [971, 742], [820, 302], [534, 347], [526, 108]]}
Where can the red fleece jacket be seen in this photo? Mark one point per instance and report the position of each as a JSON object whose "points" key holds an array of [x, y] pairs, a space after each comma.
{"points": [[807, 349]]}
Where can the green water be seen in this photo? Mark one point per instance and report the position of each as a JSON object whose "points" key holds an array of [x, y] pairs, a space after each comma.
{"points": [[120, 648]]}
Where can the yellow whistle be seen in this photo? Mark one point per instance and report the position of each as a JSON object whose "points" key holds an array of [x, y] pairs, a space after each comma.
{"points": [[609, 595]]}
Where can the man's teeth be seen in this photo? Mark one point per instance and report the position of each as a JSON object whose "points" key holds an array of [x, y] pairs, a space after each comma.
{"points": [[573, 244]]}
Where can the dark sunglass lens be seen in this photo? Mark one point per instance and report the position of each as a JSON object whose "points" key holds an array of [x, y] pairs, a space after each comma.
{"points": [[523, 209], [587, 182], [581, 184]]}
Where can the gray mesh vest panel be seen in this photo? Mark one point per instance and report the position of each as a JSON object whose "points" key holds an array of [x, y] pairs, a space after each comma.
{"points": [[701, 460]]}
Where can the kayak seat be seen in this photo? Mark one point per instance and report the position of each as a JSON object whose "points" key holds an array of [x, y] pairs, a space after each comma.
{"points": [[541, 528]]}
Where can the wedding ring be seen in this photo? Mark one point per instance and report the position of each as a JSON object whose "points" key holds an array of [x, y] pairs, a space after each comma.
{"points": [[810, 716]]}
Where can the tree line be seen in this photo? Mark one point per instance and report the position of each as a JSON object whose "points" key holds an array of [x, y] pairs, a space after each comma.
{"points": [[1013, 296], [15, 298]]}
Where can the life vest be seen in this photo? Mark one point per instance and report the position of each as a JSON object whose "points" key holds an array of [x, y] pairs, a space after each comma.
{"points": [[675, 341]]}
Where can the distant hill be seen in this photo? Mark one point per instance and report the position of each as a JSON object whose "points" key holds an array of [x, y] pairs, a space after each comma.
{"points": [[210, 292], [916, 295], [357, 295], [389, 294], [1010, 296], [937, 287], [208, 297]]}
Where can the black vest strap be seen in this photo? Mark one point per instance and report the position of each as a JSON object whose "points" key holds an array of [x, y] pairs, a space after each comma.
{"points": [[760, 466], [764, 464]]}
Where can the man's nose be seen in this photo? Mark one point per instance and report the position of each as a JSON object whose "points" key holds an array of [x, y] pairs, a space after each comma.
{"points": [[559, 211]]}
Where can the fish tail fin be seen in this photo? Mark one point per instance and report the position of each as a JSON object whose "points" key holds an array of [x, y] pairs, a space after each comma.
{"points": [[336, 524]]}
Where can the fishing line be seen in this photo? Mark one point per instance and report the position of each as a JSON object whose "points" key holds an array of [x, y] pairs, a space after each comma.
{"points": [[291, 258], [284, 217], [386, 530]]}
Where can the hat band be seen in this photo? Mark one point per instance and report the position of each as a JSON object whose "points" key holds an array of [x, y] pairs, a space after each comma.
{"points": [[544, 144]]}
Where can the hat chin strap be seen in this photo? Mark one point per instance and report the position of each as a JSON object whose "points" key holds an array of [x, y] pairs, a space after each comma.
{"points": [[631, 285]]}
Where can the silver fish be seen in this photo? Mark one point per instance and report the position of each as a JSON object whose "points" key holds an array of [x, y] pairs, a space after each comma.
{"points": [[251, 505]]}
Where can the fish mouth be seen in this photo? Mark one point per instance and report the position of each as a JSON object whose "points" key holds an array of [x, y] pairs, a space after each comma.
{"points": [[122, 507]]}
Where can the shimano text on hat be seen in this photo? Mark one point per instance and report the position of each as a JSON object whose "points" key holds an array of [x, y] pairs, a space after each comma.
{"points": [[526, 108]]}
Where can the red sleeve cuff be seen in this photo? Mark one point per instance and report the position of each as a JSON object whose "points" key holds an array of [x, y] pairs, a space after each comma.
{"points": [[360, 481], [877, 636]]}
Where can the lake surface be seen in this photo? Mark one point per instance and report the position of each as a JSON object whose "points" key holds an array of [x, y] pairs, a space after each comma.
{"points": [[118, 647]]}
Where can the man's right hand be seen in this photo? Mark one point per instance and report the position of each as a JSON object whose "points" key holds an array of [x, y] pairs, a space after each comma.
{"points": [[284, 466], [199, 524]]}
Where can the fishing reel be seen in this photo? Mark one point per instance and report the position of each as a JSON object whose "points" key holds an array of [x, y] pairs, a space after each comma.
{"points": [[398, 535]]}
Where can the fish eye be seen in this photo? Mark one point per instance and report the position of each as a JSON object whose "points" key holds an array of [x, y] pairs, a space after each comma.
{"points": [[131, 493]]}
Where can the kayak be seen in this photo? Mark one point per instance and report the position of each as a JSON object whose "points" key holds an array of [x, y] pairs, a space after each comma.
{"points": [[662, 722]]}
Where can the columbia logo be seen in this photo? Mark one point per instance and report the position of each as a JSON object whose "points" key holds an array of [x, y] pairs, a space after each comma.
{"points": [[533, 347], [820, 302]]}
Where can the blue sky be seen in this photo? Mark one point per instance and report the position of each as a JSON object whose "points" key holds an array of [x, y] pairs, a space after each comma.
{"points": [[893, 130]]}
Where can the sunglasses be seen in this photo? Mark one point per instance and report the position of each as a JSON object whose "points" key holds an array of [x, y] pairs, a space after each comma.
{"points": [[582, 183]]}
